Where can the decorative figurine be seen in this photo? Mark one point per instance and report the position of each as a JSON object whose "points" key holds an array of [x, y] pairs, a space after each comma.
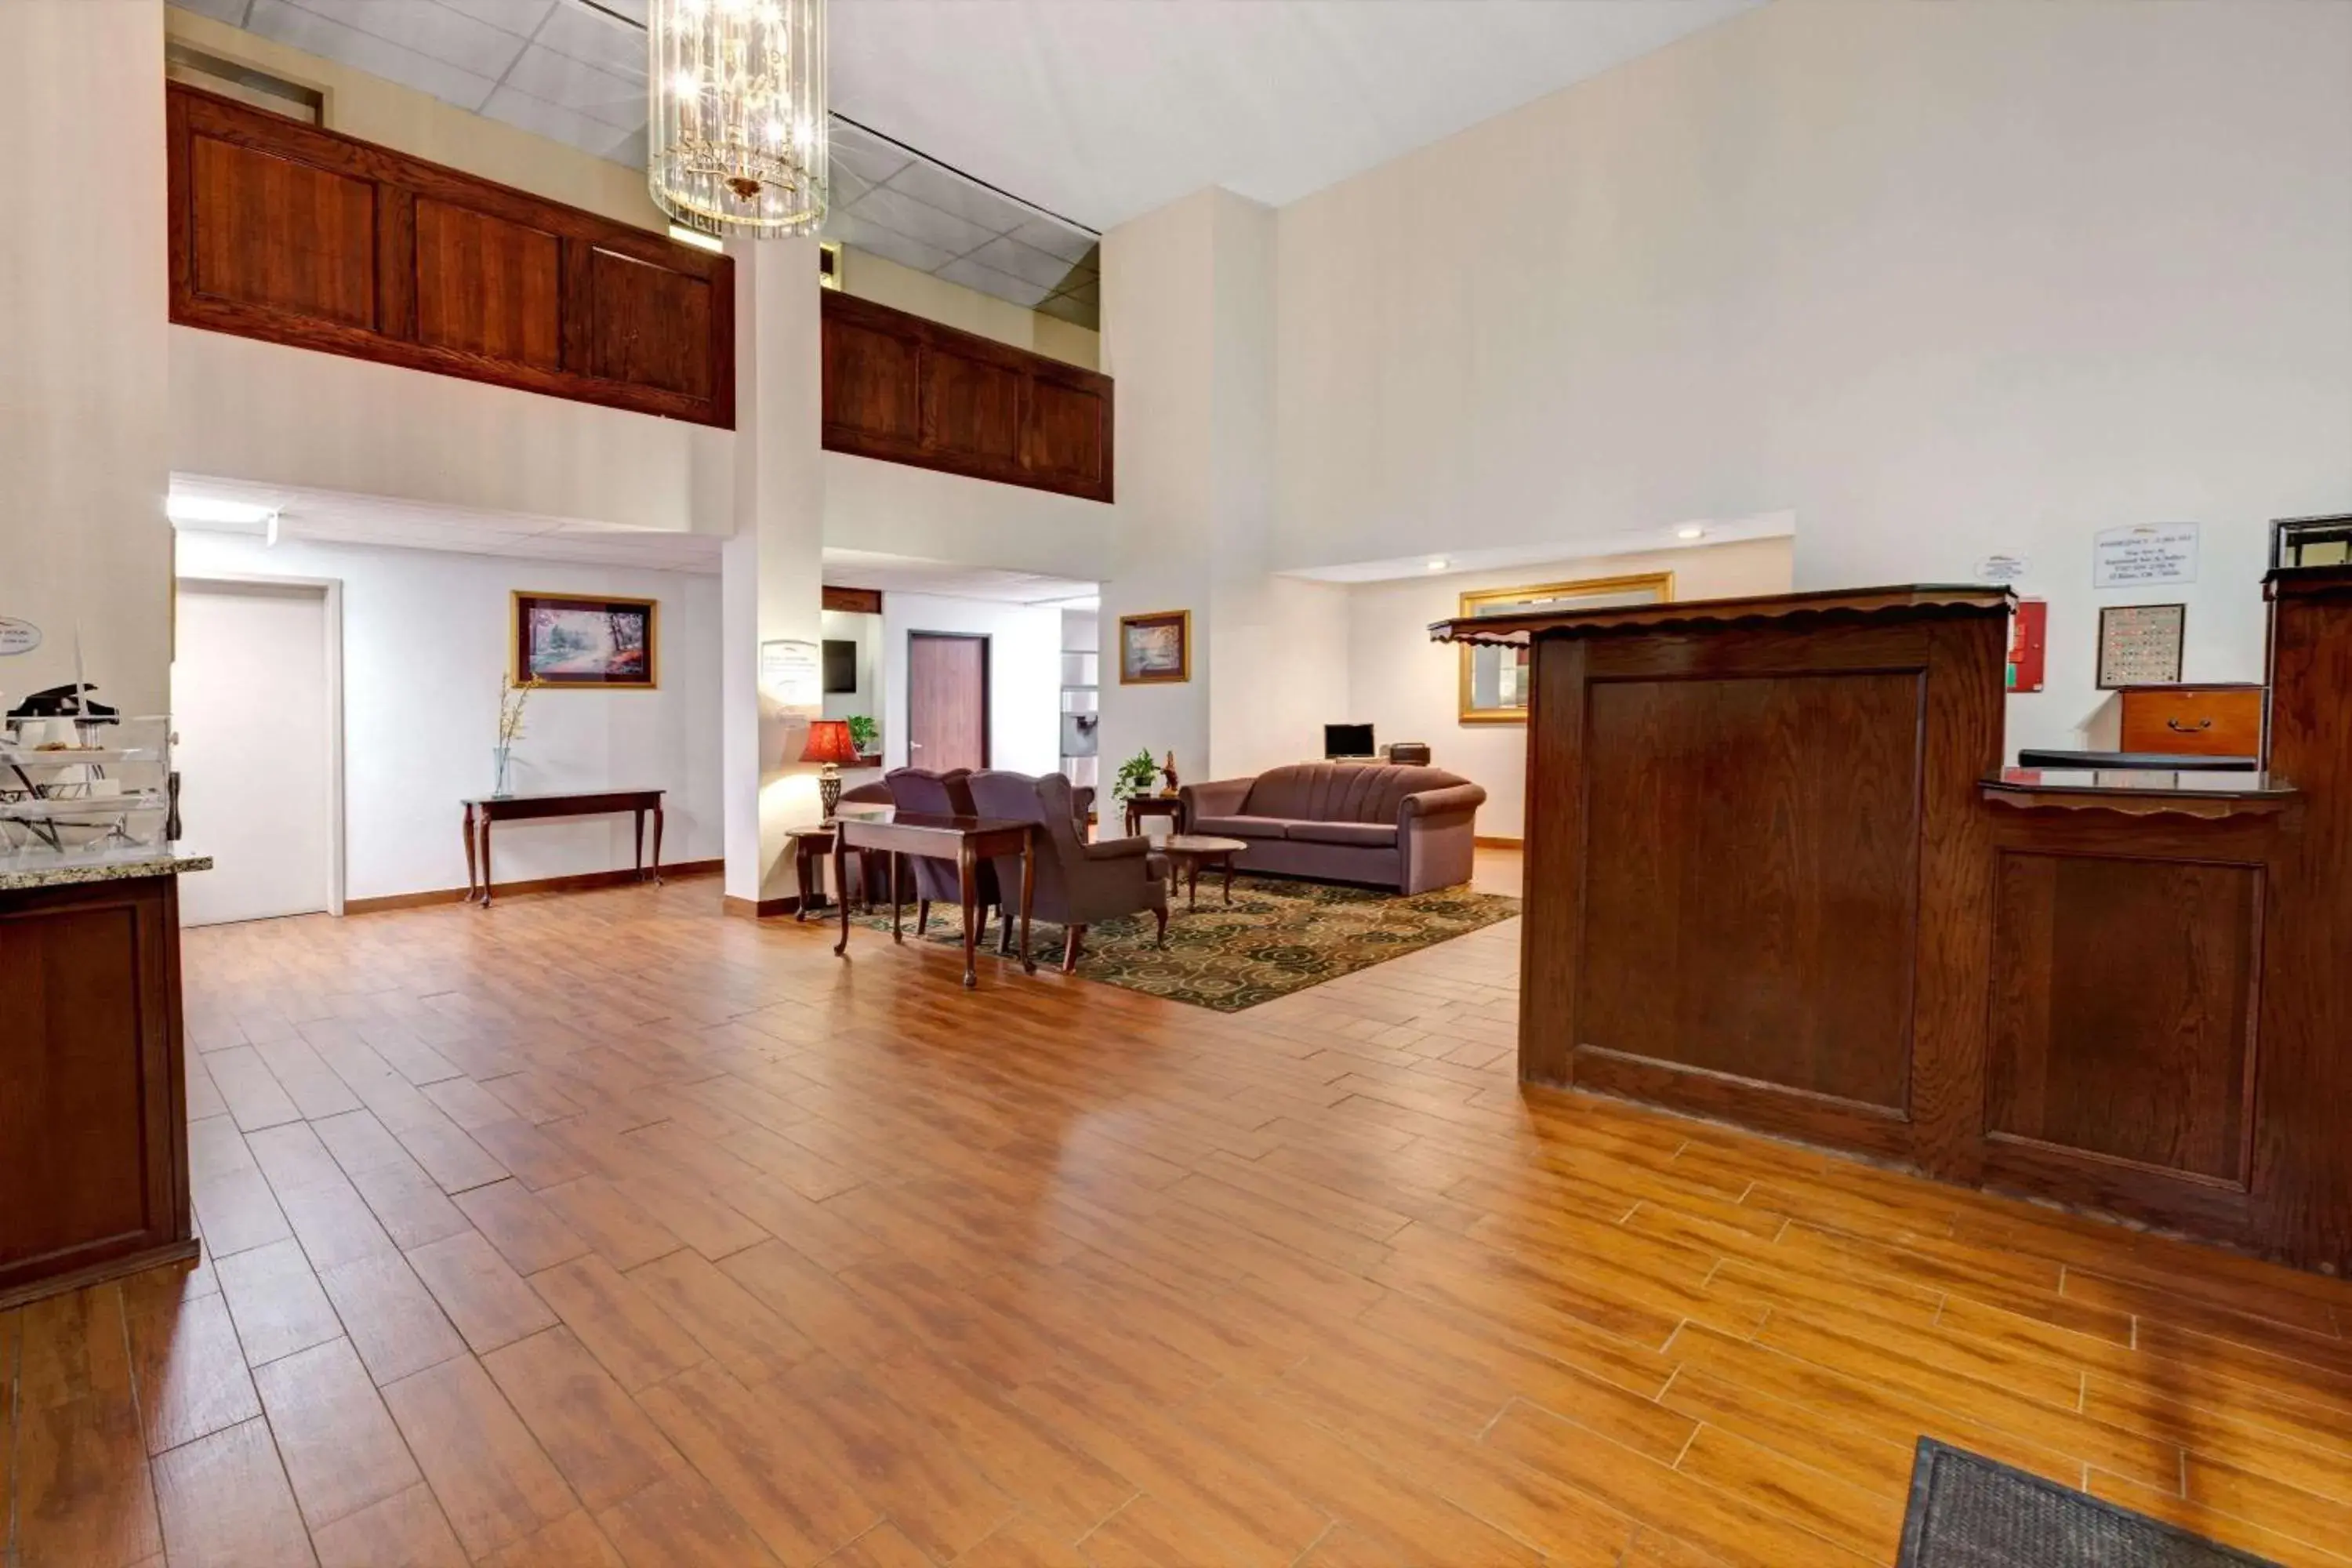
{"points": [[1167, 775]]}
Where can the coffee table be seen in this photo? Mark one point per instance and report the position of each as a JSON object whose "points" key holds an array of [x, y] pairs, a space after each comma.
{"points": [[1190, 851]]}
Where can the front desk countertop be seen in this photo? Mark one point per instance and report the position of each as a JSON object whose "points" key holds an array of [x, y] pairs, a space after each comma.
{"points": [[24, 869], [2141, 791]]}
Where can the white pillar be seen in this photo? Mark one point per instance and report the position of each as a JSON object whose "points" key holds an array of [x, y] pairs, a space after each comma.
{"points": [[85, 418], [772, 567]]}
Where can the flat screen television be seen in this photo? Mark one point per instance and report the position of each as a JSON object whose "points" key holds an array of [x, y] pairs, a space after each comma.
{"points": [[1347, 741], [840, 667]]}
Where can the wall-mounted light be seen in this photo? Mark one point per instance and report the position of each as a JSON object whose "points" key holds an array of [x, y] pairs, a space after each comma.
{"points": [[1437, 563], [1690, 531]]}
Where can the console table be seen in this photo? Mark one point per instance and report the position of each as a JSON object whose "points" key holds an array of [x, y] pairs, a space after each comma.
{"points": [[483, 810], [966, 840]]}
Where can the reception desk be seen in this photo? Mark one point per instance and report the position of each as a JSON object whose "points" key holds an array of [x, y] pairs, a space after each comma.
{"points": [[1777, 876]]}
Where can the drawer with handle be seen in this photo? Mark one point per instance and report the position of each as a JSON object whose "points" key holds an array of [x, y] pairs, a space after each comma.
{"points": [[2194, 720]]}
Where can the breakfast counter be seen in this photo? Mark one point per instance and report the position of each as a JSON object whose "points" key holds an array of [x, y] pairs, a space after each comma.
{"points": [[93, 1100]]}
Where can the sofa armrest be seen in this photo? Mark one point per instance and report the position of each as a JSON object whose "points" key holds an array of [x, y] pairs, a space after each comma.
{"points": [[1118, 849], [1453, 800], [1218, 797]]}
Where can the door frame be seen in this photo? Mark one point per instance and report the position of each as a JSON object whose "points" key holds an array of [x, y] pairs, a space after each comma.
{"points": [[330, 590], [987, 689]]}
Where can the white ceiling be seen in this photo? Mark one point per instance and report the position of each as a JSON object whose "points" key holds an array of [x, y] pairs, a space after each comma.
{"points": [[1097, 111], [911, 575], [1690, 535]]}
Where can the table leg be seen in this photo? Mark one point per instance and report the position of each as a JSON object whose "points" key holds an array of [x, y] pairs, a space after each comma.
{"points": [[657, 830], [638, 843], [469, 855], [1192, 883], [1229, 875], [840, 870], [1028, 897], [801, 857], [486, 859], [896, 935], [968, 885]]}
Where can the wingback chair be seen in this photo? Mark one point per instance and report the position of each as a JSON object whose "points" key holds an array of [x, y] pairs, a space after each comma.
{"points": [[1078, 883], [943, 795]]}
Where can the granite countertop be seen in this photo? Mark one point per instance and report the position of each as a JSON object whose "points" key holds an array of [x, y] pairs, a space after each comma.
{"points": [[26, 868]]}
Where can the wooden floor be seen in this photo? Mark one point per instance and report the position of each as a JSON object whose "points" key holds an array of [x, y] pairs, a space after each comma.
{"points": [[600, 1229]]}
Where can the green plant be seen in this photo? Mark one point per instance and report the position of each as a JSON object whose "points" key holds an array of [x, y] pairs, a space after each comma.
{"points": [[512, 696], [1136, 775], [864, 733]]}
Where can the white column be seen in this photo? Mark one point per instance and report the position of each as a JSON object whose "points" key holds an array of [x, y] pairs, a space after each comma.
{"points": [[84, 346], [772, 567]]}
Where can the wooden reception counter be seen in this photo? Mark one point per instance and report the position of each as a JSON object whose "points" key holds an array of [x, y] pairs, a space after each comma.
{"points": [[1776, 875]]}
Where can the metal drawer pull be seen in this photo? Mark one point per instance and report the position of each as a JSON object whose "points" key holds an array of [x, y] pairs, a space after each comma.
{"points": [[2179, 728]]}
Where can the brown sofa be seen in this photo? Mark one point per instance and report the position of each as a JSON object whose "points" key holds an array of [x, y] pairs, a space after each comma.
{"points": [[1408, 828]]}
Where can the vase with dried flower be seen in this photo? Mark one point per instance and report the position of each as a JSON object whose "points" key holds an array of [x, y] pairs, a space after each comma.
{"points": [[512, 696]]}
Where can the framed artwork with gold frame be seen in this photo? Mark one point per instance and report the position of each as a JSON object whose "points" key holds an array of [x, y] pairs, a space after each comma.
{"points": [[586, 640], [1495, 681], [1155, 649]]}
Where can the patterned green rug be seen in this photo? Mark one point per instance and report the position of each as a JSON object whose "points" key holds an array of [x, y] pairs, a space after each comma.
{"points": [[1277, 937]]}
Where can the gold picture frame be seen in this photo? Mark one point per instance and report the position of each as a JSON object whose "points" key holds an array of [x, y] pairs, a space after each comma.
{"points": [[1495, 679], [1155, 649], [623, 654]]}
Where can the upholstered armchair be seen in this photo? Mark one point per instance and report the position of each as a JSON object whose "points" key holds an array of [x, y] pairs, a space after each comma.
{"points": [[1078, 883], [943, 795]]}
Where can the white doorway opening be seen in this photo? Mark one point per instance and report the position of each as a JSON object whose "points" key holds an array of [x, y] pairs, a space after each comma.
{"points": [[256, 702]]}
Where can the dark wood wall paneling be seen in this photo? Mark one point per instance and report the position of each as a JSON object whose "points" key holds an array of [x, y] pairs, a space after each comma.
{"points": [[298, 236], [854, 601], [906, 390]]}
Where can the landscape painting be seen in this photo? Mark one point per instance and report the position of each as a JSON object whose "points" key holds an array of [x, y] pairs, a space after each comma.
{"points": [[561, 640], [1155, 648]]}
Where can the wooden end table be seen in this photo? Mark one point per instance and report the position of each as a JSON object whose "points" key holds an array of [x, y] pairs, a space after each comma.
{"points": [[966, 840], [1190, 851], [1170, 806]]}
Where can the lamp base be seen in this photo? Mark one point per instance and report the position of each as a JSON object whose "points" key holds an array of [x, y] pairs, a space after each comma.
{"points": [[828, 787]]}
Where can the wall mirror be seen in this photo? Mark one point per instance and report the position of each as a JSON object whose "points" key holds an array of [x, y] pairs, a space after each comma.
{"points": [[1495, 679]]}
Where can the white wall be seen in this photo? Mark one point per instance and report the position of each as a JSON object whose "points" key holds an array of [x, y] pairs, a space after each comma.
{"points": [[1025, 674], [1942, 280], [425, 649], [1409, 687], [83, 467]]}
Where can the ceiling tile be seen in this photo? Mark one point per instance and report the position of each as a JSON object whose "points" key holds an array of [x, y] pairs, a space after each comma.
{"points": [[318, 34], [976, 204], [853, 230], [584, 35], [894, 209], [552, 121], [1069, 308], [573, 84], [520, 17], [989, 281], [430, 28], [229, 11], [1064, 240], [1047, 272], [870, 158]]}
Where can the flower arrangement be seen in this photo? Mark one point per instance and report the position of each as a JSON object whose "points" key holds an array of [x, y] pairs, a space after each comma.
{"points": [[512, 696]]}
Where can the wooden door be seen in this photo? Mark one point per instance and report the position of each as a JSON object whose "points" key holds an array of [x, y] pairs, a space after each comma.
{"points": [[946, 700]]}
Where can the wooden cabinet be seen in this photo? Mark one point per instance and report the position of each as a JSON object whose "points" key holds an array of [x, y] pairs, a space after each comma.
{"points": [[298, 236], [906, 390], [2193, 721], [94, 1110]]}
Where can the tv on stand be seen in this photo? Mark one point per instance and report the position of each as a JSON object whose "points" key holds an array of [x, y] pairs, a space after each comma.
{"points": [[1348, 742]]}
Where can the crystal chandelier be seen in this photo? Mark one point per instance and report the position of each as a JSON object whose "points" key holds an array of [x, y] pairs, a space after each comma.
{"points": [[736, 141]]}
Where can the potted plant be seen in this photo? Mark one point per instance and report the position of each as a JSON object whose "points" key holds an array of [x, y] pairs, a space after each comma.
{"points": [[512, 696], [1136, 776], [865, 735]]}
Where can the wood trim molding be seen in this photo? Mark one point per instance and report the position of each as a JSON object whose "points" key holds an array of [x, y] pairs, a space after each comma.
{"points": [[581, 882], [759, 910], [1497, 841], [853, 601], [299, 235]]}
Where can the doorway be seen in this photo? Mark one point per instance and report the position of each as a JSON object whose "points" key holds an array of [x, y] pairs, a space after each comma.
{"points": [[946, 700], [256, 702]]}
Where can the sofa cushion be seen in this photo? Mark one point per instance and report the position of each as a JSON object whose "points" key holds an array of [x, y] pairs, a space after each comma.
{"points": [[1240, 827], [1341, 791], [1365, 834]]}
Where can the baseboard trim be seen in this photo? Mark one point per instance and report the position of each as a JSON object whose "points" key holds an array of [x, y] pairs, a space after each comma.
{"points": [[759, 909], [582, 882], [1484, 841]]}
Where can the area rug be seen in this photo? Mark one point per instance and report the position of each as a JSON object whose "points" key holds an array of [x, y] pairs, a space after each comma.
{"points": [[1968, 1511], [1277, 937]]}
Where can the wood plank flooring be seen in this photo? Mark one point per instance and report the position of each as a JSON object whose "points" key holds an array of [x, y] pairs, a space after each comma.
{"points": [[600, 1229]]}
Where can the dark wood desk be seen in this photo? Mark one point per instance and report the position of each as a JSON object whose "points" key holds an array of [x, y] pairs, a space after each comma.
{"points": [[962, 839], [483, 810]]}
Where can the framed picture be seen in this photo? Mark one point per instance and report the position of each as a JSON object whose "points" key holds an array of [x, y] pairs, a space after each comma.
{"points": [[1155, 649], [2139, 645], [1495, 680], [562, 639]]}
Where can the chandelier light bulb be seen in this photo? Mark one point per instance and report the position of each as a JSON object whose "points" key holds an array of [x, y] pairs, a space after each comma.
{"points": [[736, 139]]}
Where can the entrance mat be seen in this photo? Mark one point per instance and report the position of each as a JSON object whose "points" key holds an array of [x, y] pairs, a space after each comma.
{"points": [[1276, 937], [1968, 1511]]}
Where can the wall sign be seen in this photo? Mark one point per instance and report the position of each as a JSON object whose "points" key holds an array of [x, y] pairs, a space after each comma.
{"points": [[17, 637], [792, 673], [2144, 555], [2003, 569], [2139, 645]]}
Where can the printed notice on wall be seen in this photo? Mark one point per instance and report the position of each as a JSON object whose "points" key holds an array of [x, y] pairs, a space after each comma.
{"points": [[17, 637], [791, 675], [2144, 555], [2001, 569]]}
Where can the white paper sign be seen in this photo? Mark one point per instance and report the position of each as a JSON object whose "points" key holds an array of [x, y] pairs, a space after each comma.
{"points": [[2001, 569], [790, 673], [2144, 554], [17, 637]]}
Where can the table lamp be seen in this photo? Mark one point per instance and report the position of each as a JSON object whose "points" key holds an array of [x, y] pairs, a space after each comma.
{"points": [[829, 742]]}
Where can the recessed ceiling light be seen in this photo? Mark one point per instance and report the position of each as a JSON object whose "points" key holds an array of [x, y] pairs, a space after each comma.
{"points": [[198, 510], [1690, 531], [1437, 563]]}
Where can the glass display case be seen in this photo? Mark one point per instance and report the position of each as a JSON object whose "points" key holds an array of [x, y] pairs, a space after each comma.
{"points": [[2301, 543], [73, 785]]}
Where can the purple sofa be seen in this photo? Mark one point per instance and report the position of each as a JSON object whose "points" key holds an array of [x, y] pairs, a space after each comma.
{"points": [[1408, 828]]}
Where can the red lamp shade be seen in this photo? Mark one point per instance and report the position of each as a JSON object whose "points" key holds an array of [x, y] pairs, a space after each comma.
{"points": [[829, 742]]}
